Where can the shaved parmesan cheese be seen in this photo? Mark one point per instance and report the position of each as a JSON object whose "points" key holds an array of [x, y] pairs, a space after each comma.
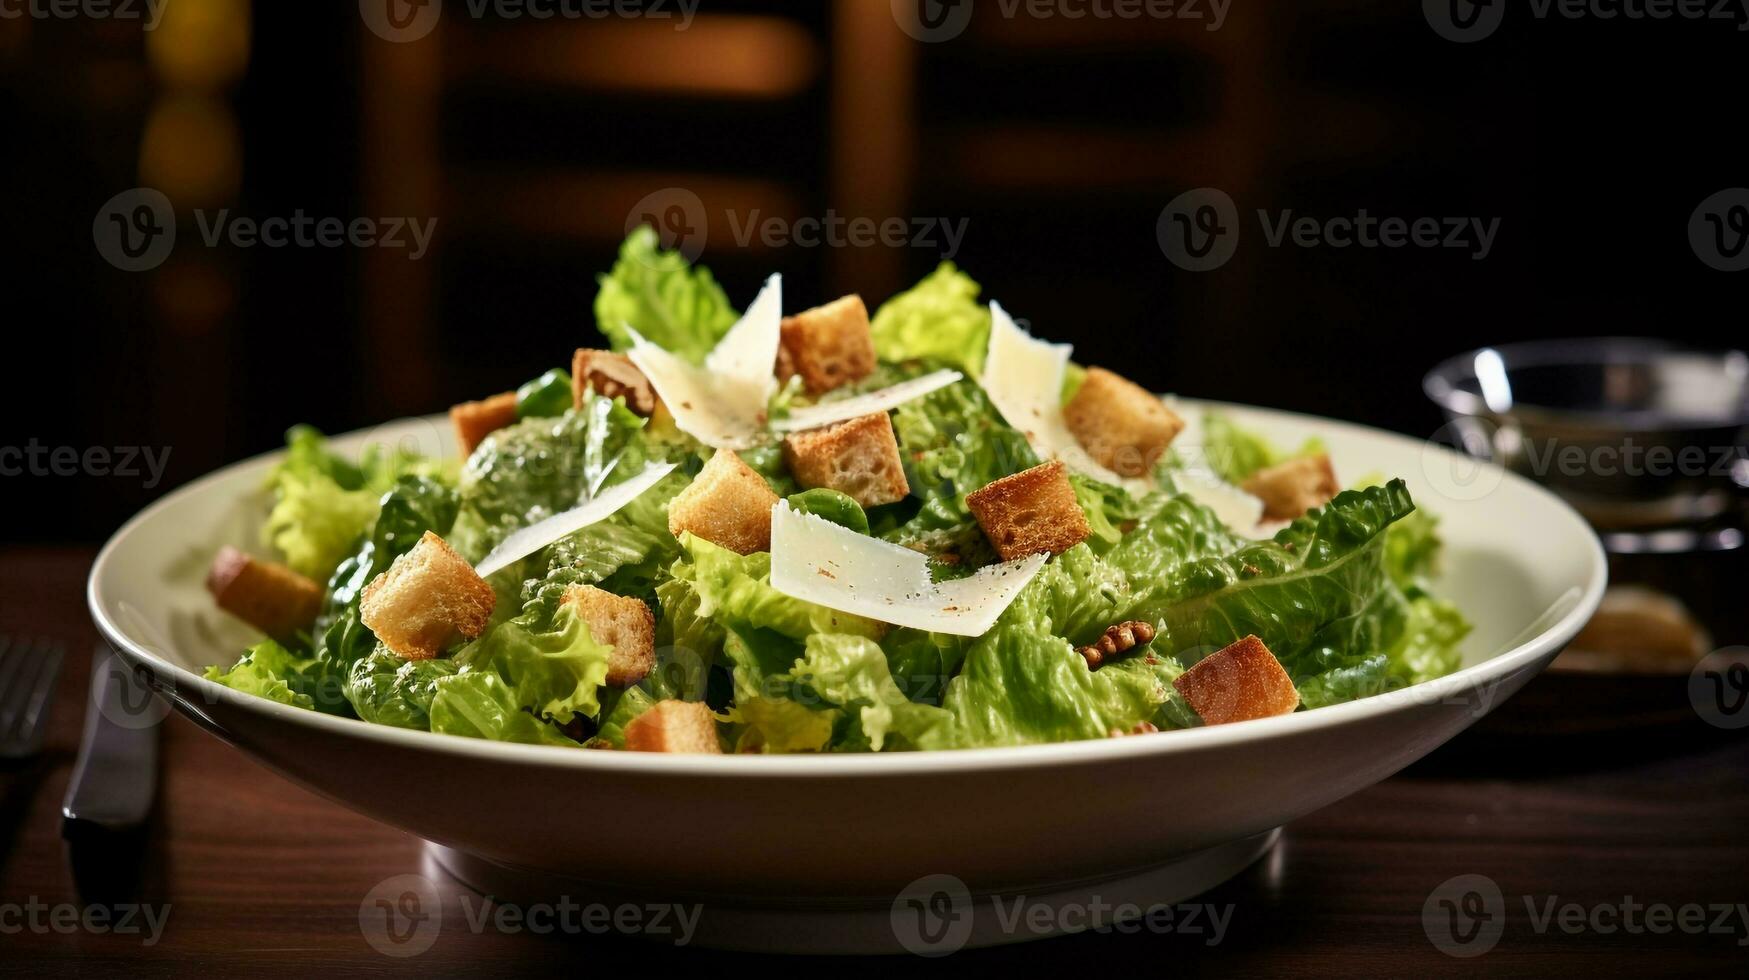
{"points": [[886, 399], [817, 561], [1239, 510], [722, 404], [1024, 378], [542, 533]]}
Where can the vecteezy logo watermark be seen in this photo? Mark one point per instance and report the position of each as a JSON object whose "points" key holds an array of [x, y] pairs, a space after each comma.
{"points": [[136, 230], [1199, 230], [934, 916], [683, 223], [121, 919], [1719, 230], [148, 12], [1466, 916], [127, 462], [403, 916], [1466, 21], [1718, 687], [943, 20], [401, 21]]}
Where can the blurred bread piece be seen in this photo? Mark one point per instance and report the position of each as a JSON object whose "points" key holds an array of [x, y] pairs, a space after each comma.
{"points": [[1122, 425], [828, 345], [674, 726], [1242, 682], [265, 594], [474, 421], [612, 376], [858, 457], [727, 504], [622, 622], [1288, 490], [1031, 511], [427, 599]]}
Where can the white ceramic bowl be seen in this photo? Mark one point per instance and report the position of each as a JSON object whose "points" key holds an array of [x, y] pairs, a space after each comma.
{"points": [[853, 831]]}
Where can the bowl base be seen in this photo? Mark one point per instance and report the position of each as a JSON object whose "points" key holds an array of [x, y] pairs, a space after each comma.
{"points": [[933, 918]]}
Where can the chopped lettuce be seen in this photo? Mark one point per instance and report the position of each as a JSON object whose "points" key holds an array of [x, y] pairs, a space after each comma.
{"points": [[672, 304], [939, 319], [271, 671], [1235, 453], [322, 502]]}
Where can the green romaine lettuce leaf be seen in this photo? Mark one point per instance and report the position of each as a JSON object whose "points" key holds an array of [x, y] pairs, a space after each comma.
{"points": [[672, 304], [939, 319], [271, 671], [1235, 453]]}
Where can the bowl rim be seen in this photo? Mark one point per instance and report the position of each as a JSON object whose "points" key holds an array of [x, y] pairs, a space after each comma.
{"points": [[1439, 383], [1544, 645]]}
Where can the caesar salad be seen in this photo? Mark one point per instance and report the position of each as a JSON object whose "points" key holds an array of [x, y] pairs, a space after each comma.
{"points": [[743, 531]]}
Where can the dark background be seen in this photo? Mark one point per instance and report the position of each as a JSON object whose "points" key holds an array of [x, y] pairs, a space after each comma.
{"points": [[1059, 142]]}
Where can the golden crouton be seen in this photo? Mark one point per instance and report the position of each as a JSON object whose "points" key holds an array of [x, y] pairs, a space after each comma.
{"points": [[1290, 489], [612, 376], [1031, 511], [266, 595], [727, 504], [858, 457], [674, 726], [1241, 682], [1120, 424], [828, 345], [474, 421], [427, 599], [622, 622]]}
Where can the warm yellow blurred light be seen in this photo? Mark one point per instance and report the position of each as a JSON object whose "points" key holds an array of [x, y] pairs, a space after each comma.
{"points": [[191, 150], [200, 43], [719, 54]]}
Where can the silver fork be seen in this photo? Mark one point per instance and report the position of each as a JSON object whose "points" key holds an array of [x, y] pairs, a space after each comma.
{"points": [[28, 669]]}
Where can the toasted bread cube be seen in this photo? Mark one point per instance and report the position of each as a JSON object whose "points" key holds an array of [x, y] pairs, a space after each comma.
{"points": [[265, 594], [622, 622], [1241, 682], [727, 504], [1290, 489], [1031, 511], [674, 726], [427, 599], [828, 345], [612, 376], [474, 421], [858, 458], [1122, 425]]}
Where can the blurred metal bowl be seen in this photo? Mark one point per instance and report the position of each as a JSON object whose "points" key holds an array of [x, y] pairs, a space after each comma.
{"points": [[1647, 439]]}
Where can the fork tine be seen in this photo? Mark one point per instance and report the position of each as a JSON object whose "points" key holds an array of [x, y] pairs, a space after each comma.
{"points": [[26, 681], [42, 692]]}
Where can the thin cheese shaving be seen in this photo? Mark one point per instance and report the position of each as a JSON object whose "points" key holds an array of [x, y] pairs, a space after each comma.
{"points": [[1024, 378], [603, 505], [722, 404], [1239, 510], [824, 563], [886, 399]]}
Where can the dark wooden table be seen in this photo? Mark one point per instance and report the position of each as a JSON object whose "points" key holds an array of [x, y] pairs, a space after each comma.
{"points": [[261, 877]]}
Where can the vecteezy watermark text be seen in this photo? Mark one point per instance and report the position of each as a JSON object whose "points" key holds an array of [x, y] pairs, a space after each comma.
{"points": [[943, 20], [936, 914], [1466, 21], [1199, 231], [402, 916], [136, 230], [121, 919], [35, 459], [402, 21], [1466, 916], [683, 223], [147, 12]]}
